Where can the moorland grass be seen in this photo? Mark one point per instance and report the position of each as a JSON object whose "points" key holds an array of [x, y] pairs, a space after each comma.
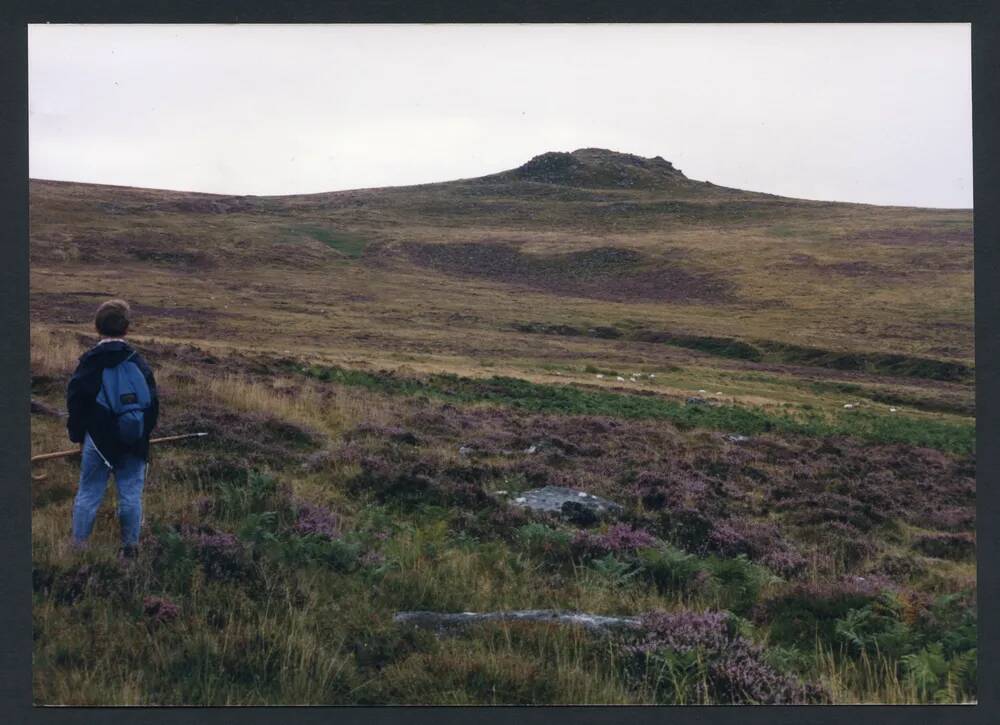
{"points": [[571, 400], [236, 601], [257, 612]]}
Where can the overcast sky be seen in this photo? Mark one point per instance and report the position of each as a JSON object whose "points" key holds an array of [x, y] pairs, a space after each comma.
{"points": [[870, 113]]}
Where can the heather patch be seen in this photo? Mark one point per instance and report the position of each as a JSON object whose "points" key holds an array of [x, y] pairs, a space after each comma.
{"points": [[222, 555], [687, 528], [695, 657], [605, 273], [827, 508], [616, 539], [69, 586], [779, 502], [947, 546], [762, 542], [427, 480], [952, 518], [313, 520]]}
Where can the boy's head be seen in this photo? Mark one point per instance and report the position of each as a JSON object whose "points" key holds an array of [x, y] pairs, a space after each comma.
{"points": [[112, 318]]}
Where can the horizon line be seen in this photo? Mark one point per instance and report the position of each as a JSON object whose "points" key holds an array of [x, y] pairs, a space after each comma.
{"points": [[469, 178]]}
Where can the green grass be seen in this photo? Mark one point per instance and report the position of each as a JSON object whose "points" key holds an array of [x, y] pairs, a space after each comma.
{"points": [[349, 245], [718, 346]]}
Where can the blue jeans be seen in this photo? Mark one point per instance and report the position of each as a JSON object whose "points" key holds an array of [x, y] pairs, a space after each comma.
{"points": [[130, 474]]}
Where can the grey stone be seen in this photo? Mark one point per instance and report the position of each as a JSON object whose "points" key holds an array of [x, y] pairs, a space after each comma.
{"points": [[576, 513], [444, 622], [552, 499]]}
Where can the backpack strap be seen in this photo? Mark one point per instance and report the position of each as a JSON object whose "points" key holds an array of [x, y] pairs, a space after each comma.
{"points": [[102, 390]]}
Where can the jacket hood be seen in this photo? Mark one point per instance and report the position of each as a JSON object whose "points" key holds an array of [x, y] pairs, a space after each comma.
{"points": [[107, 354]]}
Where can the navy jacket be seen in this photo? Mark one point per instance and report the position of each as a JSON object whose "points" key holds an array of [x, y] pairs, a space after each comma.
{"points": [[87, 416]]}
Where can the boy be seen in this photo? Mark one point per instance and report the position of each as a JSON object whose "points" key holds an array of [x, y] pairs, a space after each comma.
{"points": [[113, 407]]}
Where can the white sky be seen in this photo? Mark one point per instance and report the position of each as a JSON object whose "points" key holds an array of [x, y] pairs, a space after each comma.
{"points": [[870, 113]]}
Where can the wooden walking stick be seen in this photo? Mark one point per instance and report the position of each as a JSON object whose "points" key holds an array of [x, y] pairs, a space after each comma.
{"points": [[76, 451]]}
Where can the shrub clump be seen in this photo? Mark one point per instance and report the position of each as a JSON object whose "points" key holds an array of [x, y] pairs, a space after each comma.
{"points": [[946, 546], [222, 555], [159, 610], [687, 527], [315, 520], [953, 518], [69, 587], [616, 539], [394, 434], [671, 569], [546, 542], [760, 542], [419, 481], [808, 611], [494, 522], [700, 657]]}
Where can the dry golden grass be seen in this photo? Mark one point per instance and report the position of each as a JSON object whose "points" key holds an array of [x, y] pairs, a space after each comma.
{"points": [[302, 404], [53, 353]]}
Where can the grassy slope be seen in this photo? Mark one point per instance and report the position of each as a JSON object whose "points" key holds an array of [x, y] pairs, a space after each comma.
{"points": [[295, 305]]}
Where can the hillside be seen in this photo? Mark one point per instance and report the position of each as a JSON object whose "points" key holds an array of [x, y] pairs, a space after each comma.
{"points": [[776, 394], [625, 234]]}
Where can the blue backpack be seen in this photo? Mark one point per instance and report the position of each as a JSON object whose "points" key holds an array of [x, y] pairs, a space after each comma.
{"points": [[125, 393]]}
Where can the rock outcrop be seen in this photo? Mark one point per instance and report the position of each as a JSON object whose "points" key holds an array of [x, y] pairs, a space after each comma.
{"points": [[566, 501], [600, 168]]}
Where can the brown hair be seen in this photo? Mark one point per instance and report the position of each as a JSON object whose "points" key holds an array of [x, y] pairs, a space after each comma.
{"points": [[112, 318]]}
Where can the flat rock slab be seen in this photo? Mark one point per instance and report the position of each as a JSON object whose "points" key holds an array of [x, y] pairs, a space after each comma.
{"points": [[695, 400], [553, 498], [443, 622]]}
